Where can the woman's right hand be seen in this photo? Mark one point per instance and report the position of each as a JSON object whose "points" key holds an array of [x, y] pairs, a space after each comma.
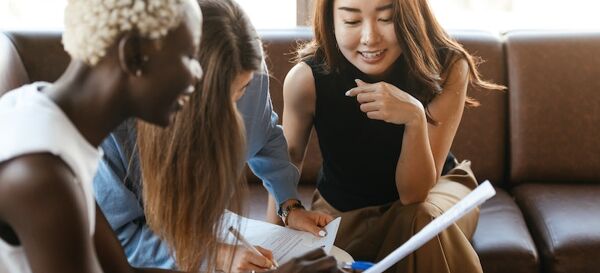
{"points": [[312, 262]]}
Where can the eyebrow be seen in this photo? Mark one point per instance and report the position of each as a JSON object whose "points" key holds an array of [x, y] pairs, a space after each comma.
{"points": [[355, 10]]}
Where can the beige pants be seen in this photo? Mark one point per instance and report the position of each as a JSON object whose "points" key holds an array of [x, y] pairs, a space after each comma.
{"points": [[371, 233]]}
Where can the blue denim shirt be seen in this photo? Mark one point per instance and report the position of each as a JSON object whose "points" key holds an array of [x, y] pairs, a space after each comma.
{"points": [[117, 182]]}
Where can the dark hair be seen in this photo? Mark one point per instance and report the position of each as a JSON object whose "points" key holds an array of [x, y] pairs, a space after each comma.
{"points": [[428, 49], [193, 170]]}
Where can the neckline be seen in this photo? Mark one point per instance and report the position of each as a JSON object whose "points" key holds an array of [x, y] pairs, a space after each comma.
{"points": [[88, 149]]}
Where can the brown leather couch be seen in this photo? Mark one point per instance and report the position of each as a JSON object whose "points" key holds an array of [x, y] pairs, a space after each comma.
{"points": [[539, 142]]}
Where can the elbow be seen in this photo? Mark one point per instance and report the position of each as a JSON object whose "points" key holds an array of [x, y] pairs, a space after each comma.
{"points": [[416, 192]]}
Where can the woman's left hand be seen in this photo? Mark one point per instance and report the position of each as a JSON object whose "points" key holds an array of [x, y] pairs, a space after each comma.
{"points": [[383, 101], [310, 221]]}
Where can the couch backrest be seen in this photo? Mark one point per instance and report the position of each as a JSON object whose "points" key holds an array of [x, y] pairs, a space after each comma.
{"points": [[36, 56], [554, 82], [12, 71], [482, 136], [554, 106]]}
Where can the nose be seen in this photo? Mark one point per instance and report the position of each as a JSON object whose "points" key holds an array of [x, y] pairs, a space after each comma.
{"points": [[370, 34]]}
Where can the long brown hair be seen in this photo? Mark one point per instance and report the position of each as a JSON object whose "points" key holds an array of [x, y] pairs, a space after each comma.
{"points": [[427, 48], [192, 171]]}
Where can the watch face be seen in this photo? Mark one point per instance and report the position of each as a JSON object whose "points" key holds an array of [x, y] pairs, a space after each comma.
{"points": [[283, 212]]}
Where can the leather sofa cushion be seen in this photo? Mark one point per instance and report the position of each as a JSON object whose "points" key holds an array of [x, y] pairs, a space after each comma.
{"points": [[482, 135], [502, 240], [12, 71], [42, 54], [554, 106], [564, 221]]}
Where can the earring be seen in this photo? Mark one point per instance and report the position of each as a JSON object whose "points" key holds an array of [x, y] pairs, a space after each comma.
{"points": [[138, 73]]}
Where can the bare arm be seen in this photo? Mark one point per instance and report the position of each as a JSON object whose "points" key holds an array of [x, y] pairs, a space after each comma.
{"points": [[298, 112], [424, 146], [447, 108], [43, 204], [299, 108], [47, 210]]}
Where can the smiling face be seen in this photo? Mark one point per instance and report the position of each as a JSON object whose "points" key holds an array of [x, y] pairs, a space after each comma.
{"points": [[172, 71], [365, 35]]}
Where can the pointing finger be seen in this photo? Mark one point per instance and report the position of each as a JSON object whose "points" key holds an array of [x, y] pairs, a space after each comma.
{"points": [[367, 88], [360, 82]]}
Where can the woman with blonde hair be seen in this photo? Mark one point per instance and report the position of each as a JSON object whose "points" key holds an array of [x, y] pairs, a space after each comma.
{"points": [[164, 191], [48, 218], [385, 86]]}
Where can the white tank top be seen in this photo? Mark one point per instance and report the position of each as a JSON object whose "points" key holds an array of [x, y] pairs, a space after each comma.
{"points": [[32, 123]]}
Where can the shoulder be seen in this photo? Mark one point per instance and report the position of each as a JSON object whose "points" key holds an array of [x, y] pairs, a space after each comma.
{"points": [[457, 72], [36, 183], [299, 84], [301, 72]]}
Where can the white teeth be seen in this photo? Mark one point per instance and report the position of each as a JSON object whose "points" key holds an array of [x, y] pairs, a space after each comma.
{"points": [[371, 55], [182, 100], [190, 89]]}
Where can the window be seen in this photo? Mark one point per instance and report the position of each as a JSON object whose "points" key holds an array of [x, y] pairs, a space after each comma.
{"points": [[497, 15], [32, 14], [266, 14], [503, 15]]}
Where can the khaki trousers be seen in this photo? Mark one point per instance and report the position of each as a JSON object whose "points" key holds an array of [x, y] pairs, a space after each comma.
{"points": [[372, 233]]}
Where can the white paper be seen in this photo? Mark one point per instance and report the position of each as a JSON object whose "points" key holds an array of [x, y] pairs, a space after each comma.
{"points": [[285, 243], [482, 193]]}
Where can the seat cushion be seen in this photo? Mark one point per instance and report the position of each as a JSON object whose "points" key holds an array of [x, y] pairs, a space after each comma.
{"points": [[502, 240], [564, 221]]}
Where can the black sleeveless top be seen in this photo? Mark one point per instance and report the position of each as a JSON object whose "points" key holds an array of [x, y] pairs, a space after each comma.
{"points": [[359, 154]]}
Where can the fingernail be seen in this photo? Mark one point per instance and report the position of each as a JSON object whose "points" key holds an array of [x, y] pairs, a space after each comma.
{"points": [[348, 93], [322, 233]]}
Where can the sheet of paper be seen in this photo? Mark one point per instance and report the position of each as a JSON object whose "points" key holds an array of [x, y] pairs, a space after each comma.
{"points": [[285, 243], [482, 193]]}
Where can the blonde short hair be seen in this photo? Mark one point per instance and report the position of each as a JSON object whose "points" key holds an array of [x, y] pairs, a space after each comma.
{"points": [[91, 26]]}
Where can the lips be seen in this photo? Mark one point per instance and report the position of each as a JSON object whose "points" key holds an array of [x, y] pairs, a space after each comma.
{"points": [[185, 96], [372, 56]]}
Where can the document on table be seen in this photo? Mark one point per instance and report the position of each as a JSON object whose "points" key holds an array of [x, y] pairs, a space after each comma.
{"points": [[482, 193], [285, 243]]}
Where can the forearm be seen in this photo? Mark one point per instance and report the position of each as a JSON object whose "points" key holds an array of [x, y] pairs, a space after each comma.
{"points": [[415, 170]]}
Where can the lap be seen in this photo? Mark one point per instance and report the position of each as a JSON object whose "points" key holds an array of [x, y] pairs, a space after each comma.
{"points": [[371, 225]]}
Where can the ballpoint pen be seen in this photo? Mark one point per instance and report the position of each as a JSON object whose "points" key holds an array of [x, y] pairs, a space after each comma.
{"points": [[247, 244], [356, 265]]}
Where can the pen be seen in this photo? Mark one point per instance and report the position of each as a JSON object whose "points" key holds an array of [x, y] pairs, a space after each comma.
{"points": [[357, 265], [245, 242]]}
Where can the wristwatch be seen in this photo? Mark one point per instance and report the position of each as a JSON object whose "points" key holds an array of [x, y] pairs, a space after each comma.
{"points": [[283, 212]]}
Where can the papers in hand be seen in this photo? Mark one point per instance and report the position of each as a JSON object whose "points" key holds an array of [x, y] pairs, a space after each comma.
{"points": [[482, 193], [285, 243]]}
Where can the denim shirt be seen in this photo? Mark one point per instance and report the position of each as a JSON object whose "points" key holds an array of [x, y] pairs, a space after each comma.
{"points": [[117, 181]]}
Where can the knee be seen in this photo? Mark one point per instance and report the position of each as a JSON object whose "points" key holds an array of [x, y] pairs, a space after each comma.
{"points": [[424, 213]]}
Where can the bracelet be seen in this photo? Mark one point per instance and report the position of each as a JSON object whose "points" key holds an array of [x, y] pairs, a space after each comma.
{"points": [[283, 212]]}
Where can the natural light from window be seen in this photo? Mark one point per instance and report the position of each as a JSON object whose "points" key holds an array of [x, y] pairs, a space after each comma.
{"points": [[494, 15]]}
